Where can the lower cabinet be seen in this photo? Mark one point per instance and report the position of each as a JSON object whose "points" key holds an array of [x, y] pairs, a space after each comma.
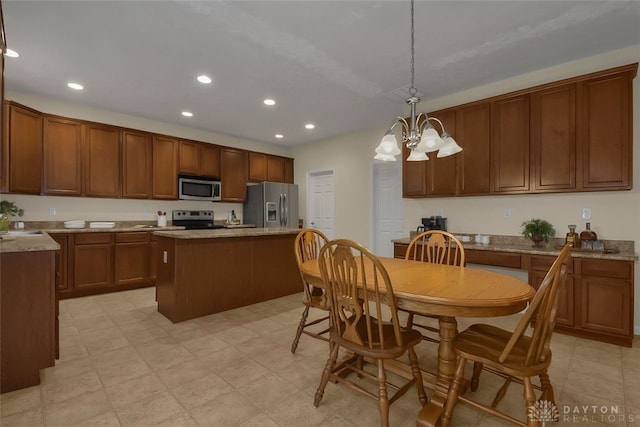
{"points": [[95, 263], [596, 302]]}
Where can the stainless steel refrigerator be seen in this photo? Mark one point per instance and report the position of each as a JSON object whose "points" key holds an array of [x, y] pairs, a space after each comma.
{"points": [[271, 204]]}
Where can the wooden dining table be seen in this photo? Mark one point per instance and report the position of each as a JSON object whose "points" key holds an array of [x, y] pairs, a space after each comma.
{"points": [[447, 292]]}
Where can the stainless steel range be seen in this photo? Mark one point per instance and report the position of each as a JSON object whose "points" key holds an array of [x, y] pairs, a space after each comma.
{"points": [[194, 220]]}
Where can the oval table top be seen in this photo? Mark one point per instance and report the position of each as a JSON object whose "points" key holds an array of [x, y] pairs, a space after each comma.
{"points": [[446, 290]]}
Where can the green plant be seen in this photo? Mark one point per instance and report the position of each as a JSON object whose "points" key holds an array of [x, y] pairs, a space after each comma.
{"points": [[8, 209], [538, 229]]}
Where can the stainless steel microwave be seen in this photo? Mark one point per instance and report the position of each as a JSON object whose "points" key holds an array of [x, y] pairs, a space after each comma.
{"points": [[198, 188]]}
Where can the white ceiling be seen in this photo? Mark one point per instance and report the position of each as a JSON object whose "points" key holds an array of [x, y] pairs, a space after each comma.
{"points": [[343, 65]]}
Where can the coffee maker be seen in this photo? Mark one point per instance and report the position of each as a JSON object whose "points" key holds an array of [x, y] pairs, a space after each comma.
{"points": [[433, 223]]}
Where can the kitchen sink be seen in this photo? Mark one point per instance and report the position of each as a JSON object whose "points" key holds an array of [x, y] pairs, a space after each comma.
{"points": [[24, 233]]}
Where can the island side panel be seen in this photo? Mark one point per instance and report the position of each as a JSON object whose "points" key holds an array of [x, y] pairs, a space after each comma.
{"points": [[28, 306], [210, 275]]}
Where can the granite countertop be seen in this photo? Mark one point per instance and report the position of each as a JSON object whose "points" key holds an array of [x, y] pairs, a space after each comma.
{"points": [[228, 232], [518, 244], [56, 227], [31, 243]]}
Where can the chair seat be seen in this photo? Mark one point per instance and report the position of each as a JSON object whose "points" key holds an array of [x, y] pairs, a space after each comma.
{"points": [[391, 348], [485, 343]]}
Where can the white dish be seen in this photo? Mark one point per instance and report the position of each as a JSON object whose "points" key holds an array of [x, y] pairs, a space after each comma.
{"points": [[464, 239], [99, 224]]}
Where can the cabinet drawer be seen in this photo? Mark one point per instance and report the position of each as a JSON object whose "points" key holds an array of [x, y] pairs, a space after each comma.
{"points": [[499, 259], [93, 238], [606, 268], [399, 250], [132, 237], [543, 263]]}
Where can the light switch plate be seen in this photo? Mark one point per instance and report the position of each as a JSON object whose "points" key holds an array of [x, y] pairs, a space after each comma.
{"points": [[586, 213]]}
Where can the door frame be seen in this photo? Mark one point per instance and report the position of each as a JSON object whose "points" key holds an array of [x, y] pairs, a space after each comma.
{"points": [[373, 199], [308, 210]]}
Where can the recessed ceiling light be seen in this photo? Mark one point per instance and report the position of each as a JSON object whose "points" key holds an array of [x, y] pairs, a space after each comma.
{"points": [[187, 113], [75, 86], [279, 135], [309, 126], [269, 102], [204, 79], [11, 53]]}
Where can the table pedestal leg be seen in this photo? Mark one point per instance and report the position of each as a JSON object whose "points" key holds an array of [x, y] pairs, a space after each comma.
{"points": [[431, 412]]}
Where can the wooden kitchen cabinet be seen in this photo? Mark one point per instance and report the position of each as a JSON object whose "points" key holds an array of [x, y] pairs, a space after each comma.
{"points": [[414, 176], [101, 160], [474, 162], [441, 173], [553, 139], [165, 168], [136, 164], [275, 169], [62, 156], [537, 272], [22, 150], [199, 159], [234, 174], [257, 167], [93, 261], [606, 131], [510, 144], [288, 171], [209, 160], [132, 258], [63, 258]]}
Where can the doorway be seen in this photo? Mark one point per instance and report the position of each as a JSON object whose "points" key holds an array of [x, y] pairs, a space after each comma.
{"points": [[387, 213], [321, 205]]}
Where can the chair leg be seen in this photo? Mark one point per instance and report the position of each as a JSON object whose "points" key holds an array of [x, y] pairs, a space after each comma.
{"points": [[417, 375], [383, 397], [333, 355], [303, 320], [454, 391], [547, 388], [530, 398], [475, 379]]}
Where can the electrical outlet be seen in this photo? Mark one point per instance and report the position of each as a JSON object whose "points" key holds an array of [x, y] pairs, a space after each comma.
{"points": [[507, 212], [586, 213], [52, 211]]}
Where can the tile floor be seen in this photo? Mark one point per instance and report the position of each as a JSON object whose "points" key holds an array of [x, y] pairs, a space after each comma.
{"points": [[124, 364]]}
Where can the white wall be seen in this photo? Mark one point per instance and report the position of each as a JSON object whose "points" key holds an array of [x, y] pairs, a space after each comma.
{"points": [[615, 215], [95, 209]]}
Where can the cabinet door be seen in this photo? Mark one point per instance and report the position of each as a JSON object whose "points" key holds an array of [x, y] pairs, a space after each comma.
{"points": [[132, 253], [565, 313], [414, 176], [93, 261], [606, 305], [61, 263], [189, 157], [442, 172], [510, 144], [210, 160], [275, 169], [288, 171], [553, 137], [101, 161], [62, 157], [136, 164], [257, 167], [473, 135], [233, 174], [606, 132], [165, 166], [24, 150]]}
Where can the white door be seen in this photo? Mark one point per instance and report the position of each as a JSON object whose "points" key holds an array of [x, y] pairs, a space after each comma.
{"points": [[387, 211], [321, 202]]}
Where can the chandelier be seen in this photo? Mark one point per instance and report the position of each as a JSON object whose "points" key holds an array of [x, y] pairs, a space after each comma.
{"points": [[418, 134]]}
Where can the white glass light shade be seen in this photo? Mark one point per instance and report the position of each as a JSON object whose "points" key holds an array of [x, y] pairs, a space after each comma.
{"points": [[431, 140], [450, 147], [417, 156], [389, 145], [385, 157]]}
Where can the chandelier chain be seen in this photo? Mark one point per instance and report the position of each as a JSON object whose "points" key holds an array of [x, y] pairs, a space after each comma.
{"points": [[412, 89]]}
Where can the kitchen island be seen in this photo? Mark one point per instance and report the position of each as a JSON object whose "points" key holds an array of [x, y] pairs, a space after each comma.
{"points": [[201, 272], [28, 309]]}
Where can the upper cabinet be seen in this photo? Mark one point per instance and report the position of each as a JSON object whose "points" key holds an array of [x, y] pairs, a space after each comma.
{"points": [[288, 170], [165, 168], [234, 174], [198, 158], [257, 167], [101, 160], [136, 164], [568, 136], [22, 150], [62, 156], [267, 167]]}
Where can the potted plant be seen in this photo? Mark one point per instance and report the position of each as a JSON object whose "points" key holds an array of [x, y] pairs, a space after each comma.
{"points": [[538, 230], [8, 209]]}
